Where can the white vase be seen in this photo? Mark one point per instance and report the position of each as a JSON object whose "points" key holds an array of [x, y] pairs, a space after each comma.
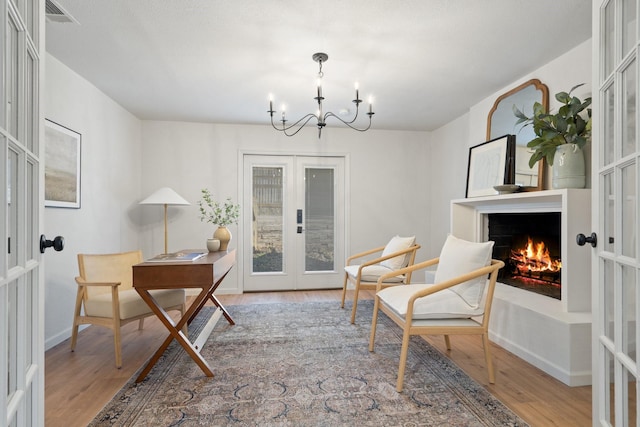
{"points": [[213, 245], [568, 167], [224, 235]]}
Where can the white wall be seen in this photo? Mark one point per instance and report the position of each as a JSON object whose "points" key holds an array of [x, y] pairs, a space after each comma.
{"points": [[388, 187], [448, 166], [110, 188]]}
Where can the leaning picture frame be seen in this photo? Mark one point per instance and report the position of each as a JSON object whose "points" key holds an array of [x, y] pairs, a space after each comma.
{"points": [[490, 163], [62, 170]]}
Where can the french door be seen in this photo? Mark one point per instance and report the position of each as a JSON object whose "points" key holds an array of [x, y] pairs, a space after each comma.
{"points": [[616, 157], [21, 282], [293, 231]]}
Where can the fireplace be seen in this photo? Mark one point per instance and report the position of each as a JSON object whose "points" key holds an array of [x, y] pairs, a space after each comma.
{"points": [[551, 334], [530, 246]]}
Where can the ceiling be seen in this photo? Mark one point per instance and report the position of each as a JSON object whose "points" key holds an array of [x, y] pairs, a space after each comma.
{"points": [[424, 62]]}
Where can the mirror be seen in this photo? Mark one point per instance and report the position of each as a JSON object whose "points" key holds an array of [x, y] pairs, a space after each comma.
{"points": [[501, 121]]}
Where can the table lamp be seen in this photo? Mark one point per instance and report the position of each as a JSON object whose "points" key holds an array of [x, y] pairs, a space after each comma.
{"points": [[165, 196]]}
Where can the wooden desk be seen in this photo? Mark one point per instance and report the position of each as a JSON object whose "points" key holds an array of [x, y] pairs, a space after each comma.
{"points": [[206, 274]]}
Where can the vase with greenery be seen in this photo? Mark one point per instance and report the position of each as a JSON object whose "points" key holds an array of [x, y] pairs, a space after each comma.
{"points": [[220, 214], [565, 132]]}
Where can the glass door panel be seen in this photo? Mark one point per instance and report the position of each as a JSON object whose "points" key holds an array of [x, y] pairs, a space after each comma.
{"points": [[268, 220], [629, 31], [608, 125], [12, 78], [628, 210], [319, 219], [12, 205], [629, 110]]}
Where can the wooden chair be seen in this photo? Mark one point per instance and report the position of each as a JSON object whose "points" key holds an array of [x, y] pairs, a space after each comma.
{"points": [[452, 306], [398, 253], [107, 297]]}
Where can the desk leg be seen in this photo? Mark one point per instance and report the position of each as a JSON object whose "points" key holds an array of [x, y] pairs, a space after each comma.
{"points": [[215, 302], [175, 331]]}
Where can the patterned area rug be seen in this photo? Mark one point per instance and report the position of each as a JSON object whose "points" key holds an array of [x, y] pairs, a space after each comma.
{"points": [[304, 365]]}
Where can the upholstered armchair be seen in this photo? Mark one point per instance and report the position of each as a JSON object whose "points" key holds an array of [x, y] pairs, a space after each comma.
{"points": [[458, 302], [377, 262], [106, 296]]}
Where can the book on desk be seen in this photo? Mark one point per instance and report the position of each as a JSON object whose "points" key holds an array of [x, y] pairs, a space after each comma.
{"points": [[178, 257]]}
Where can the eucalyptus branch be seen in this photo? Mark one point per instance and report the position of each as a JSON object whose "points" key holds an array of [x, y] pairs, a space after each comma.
{"points": [[214, 212]]}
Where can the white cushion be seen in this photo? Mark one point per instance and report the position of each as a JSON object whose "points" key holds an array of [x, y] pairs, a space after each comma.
{"points": [[459, 257], [372, 273], [396, 244], [444, 304], [131, 304]]}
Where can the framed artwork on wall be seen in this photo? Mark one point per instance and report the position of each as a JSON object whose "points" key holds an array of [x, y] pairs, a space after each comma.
{"points": [[490, 164], [61, 166]]}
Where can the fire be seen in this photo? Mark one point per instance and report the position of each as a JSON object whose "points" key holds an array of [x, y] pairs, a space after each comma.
{"points": [[535, 258]]}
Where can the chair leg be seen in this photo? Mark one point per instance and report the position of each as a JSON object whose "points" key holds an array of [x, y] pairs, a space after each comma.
{"points": [[355, 303], [374, 325], [344, 289], [141, 324], [76, 315], [117, 342], [403, 358], [447, 342], [74, 335], [487, 356]]}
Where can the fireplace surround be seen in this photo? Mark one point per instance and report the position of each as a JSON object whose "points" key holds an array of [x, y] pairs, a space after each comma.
{"points": [[551, 334]]}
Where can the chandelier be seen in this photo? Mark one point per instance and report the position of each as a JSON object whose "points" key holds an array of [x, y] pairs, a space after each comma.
{"points": [[320, 115]]}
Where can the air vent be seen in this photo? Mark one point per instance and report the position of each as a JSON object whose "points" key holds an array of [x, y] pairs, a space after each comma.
{"points": [[55, 13]]}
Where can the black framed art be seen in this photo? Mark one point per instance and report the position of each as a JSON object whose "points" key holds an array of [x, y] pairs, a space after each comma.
{"points": [[490, 164]]}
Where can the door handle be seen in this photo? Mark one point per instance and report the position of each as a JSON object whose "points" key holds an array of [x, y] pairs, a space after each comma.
{"points": [[581, 239], [57, 243]]}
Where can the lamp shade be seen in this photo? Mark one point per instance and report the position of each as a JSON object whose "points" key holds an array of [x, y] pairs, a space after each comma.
{"points": [[164, 196]]}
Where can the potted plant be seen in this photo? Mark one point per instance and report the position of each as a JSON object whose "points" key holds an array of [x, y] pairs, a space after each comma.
{"points": [[563, 134], [220, 214]]}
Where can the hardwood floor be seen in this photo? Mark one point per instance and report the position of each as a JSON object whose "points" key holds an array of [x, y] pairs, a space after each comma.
{"points": [[78, 384]]}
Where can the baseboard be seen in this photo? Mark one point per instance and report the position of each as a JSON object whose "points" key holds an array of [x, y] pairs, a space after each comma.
{"points": [[572, 379]]}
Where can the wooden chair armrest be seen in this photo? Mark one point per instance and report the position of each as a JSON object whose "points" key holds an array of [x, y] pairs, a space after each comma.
{"points": [[409, 269], [413, 248], [81, 282], [391, 255], [363, 254], [490, 269]]}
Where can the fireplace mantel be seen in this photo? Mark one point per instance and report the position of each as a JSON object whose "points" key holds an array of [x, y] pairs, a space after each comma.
{"points": [[553, 335]]}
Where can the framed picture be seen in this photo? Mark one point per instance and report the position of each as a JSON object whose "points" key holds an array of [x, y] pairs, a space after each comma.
{"points": [[491, 163], [61, 166]]}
